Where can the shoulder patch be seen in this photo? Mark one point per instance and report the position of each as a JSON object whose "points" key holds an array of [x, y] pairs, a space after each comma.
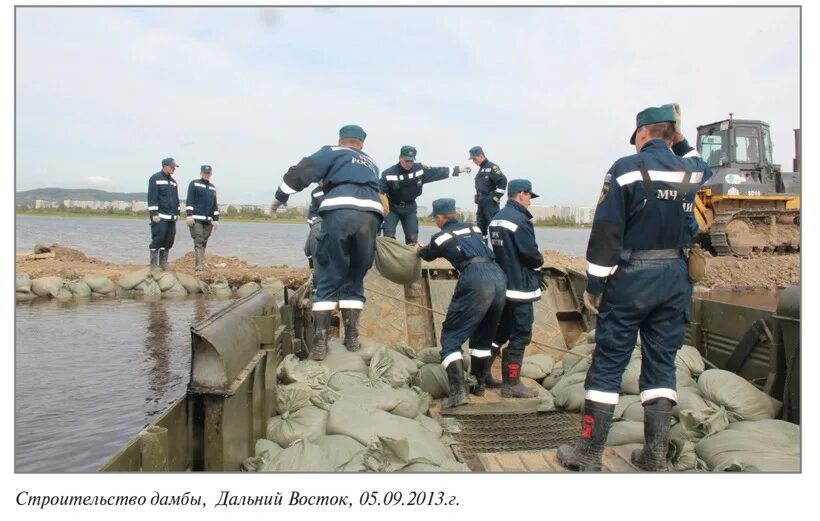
{"points": [[496, 169], [605, 188], [425, 167]]}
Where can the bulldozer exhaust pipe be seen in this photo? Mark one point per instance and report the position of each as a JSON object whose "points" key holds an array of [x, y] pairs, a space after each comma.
{"points": [[796, 161]]}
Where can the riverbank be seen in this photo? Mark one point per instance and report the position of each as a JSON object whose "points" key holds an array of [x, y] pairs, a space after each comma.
{"points": [[139, 216]]}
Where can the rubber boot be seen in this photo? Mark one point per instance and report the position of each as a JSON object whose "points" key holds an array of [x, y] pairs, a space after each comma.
{"points": [[321, 323], [511, 386], [350, 319], [585, 455], [153, 259], [657, 421], [458, 386], [479, 370], [163, 260], [199, 252], [490, 382]]}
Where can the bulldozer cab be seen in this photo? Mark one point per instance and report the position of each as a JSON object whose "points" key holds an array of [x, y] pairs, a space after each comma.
{"points": [[742, 144]]}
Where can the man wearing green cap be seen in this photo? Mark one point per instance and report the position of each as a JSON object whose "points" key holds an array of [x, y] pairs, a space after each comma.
{"points": [[477, 303], [490, 183], [638, 282], [351, 214], [202, 213], [402, 184], [513, 240], [163, 209]]}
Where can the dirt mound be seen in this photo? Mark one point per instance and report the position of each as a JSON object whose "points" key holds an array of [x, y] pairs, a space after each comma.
{"points": [[558, 259], [759, 271]]}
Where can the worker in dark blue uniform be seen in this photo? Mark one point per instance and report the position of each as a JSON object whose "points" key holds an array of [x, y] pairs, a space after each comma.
{"points": [[314, 220], [351, 215], [513, 240], [638, 282], [202, 213], [490, 184], [477, 303], [163, 208], [402, 184]]}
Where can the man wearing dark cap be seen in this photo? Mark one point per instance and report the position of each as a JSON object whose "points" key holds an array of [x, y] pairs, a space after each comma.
{"points": [[202, 212], [477, 303], [402, 184], [163, 208], [490, 183], [637, 282], [351, 215], [513, 240]]}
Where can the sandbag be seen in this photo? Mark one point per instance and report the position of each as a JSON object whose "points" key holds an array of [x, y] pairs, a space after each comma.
{"points": [[682, 457], [689, 399], [429, 355], [47, 286], [247, 288], [177, 290], [705, 422], [764, 446], [302, 456], [343, 452], [22, 283], [364, 424], [623, 432], [402, 402], [571, 397], [341, 380], [432, 378], [264, 453], [308, 423], [546, 402], [397, 262], [684, 380], [313, 373], [149, 288], [430, 424], [537, 366], [388, 454], [189, 282], [292, 397], [166, 280], [274, 287], [624, 402], [742, 399], [340, 359], [392, 367], [634, 412], [570, 359], [368, 349], [78, 288], [130, 280], [554, 377], [220, 288], [568, 380], [100, 284], [690, 358]]}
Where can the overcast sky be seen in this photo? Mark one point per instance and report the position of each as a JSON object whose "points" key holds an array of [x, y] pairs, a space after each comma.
{"points": [[103, 94]]}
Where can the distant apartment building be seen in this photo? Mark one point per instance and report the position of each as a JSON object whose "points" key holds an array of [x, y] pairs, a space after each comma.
{"points": [[544, 212]]}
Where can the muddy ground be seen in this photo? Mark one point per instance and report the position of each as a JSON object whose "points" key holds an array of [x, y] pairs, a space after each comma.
{"points": [[763, 271]]}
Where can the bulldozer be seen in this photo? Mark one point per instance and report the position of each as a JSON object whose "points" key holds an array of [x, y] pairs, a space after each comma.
{"points": [[749, 205]]}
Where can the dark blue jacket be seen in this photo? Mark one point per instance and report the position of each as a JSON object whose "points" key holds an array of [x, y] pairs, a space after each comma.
{"points": [[200, 202], [350, 179], [316, 198], [404, 186], [625, 220], [490, 180], [513, 240], [163, 198], [457, 242]]}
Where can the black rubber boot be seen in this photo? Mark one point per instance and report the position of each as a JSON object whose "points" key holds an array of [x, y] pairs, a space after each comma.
{"points": [[458, 386], [350, 318], [511, 386], [479, 370], [321, 323], [585, 455], [657, 420], [163, 260], [153, 259], [489, 381], [200, 259]]}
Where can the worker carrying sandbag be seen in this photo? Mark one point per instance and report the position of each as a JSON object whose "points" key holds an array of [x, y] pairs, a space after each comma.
{"points": [[397, 262]]}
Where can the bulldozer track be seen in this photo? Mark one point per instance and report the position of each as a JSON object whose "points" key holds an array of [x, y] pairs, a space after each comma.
{"points": [[717, 232]]}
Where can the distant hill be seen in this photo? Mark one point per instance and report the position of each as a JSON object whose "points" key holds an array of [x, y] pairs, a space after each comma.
{"points": [[75, 194]]}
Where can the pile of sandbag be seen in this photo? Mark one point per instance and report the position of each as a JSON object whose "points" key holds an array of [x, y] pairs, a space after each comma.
{"points": [[720, 422], [353, 412]]}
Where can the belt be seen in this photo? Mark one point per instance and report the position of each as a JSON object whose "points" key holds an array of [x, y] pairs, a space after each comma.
{"points": [[473, 260], [482, 194], [402, 203], [673, 253]]}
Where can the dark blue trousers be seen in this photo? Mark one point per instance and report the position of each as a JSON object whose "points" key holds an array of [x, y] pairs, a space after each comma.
{"points": [[345, 248], [162, 234], [409, 222], [310, 250], [475, 309], [515, 326], [650, 296], [487, 208]]}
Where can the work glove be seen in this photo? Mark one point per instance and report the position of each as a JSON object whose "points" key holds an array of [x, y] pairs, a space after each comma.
{"points": [[461, 169], [385, 204], [676, 110], [155, 218], [592, 301], [275, 205], [189, 221], [216, 225], [497, 199], [476, 197]]}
